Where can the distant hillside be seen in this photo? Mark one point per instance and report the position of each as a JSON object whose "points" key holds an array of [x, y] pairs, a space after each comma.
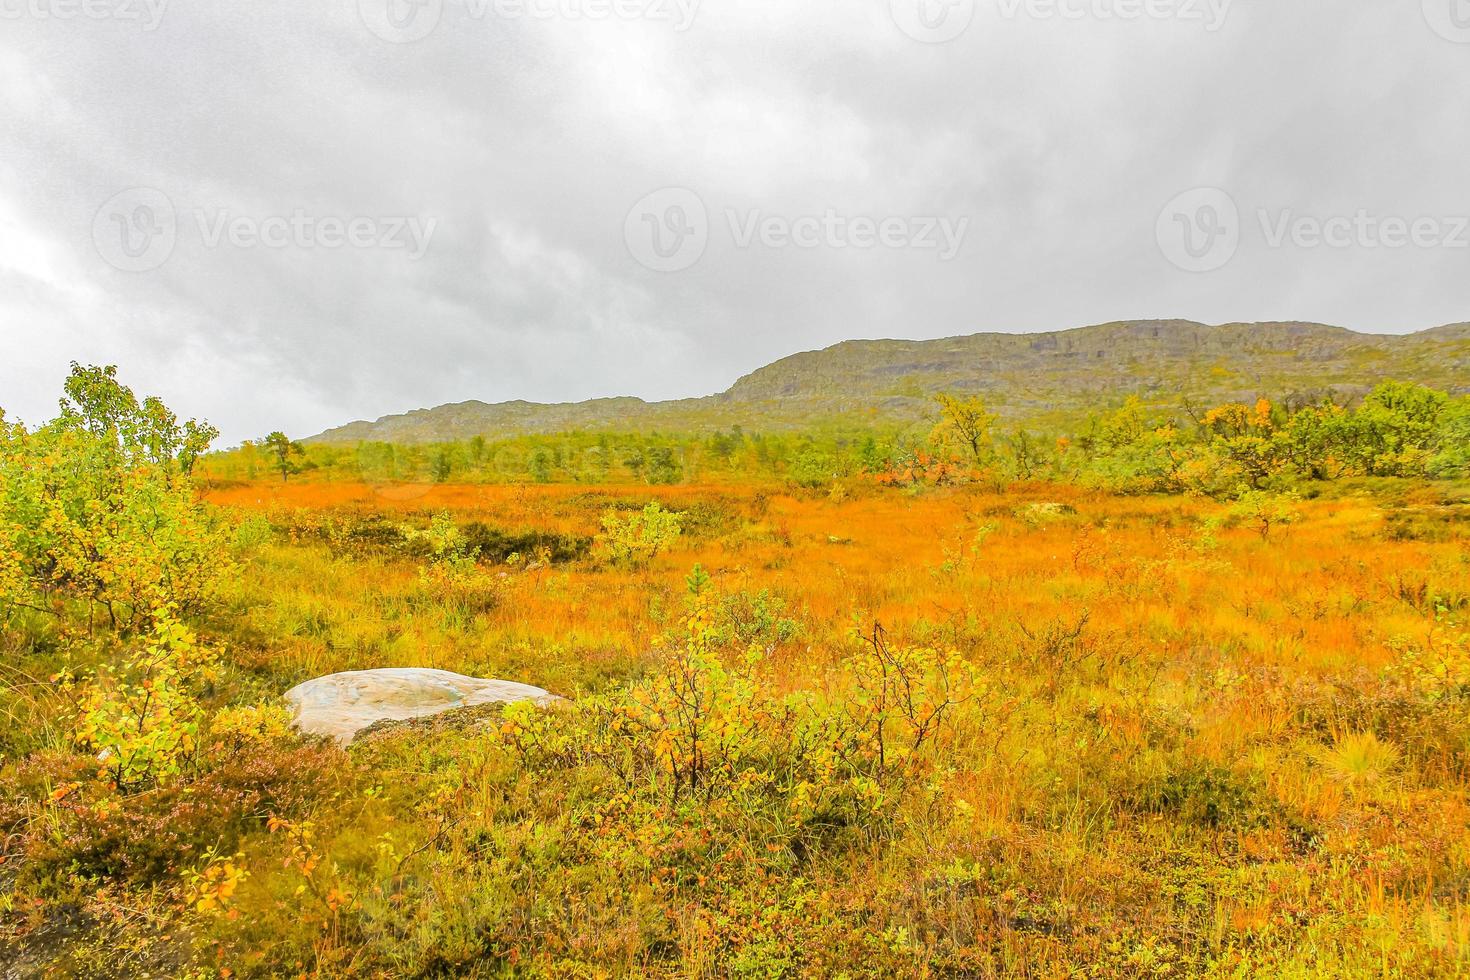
{"points": [[1046, 377]]}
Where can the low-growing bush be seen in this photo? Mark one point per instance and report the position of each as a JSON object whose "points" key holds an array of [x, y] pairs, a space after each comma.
{"points": [[498, 544], [82, 827], [143, 719], [1204, 796], [635, 540]]}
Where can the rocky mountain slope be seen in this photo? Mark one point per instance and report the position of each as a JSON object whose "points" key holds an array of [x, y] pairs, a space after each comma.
{"points": [[1040, 378]]}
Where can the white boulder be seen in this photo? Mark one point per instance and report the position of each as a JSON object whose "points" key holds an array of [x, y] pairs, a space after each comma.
{"points": [[341, 705]]}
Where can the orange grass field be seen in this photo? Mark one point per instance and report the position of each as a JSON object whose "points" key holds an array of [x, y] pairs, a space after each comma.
{"points": [[1102, 736], [1321, 596], [1204, 747]]}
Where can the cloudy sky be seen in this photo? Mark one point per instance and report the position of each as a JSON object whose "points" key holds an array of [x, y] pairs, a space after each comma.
{"points": [[290, 215]]}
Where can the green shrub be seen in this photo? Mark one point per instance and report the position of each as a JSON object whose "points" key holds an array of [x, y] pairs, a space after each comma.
{"points": [[635, 540], [1204, 796], [98, 507], [143, 718]]}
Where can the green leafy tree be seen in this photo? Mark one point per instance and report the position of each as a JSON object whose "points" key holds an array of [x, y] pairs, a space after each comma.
{"points": [[97, 404], [663, 468], [283, 453], [1120, 429], [441, 466], [541, 466], [965, 423], [1026, 454], [1248, 438], [1317, 439], [1452, 458], [812, 468], [97, 507], [1397, 429]]}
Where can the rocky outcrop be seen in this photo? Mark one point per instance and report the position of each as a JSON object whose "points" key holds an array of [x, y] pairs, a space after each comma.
{"points": [[341, 705]]}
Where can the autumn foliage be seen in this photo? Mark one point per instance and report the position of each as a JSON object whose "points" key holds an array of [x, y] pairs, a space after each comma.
{"points": [[925, 719]]}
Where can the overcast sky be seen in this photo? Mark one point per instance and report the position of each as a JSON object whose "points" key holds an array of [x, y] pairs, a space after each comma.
{"points": [[287, 214]]}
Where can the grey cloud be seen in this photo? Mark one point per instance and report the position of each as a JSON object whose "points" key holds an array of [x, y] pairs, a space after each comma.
{"points": [[530, 139]]}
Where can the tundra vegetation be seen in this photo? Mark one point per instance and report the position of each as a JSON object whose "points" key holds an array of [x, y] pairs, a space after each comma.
{"points": [[1150, 697]]}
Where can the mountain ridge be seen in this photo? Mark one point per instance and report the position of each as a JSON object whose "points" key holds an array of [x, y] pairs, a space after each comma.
{"points": [[1030, 377]]}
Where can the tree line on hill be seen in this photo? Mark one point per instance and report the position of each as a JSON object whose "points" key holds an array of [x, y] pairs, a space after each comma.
{"points": [[1399, 430]]}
